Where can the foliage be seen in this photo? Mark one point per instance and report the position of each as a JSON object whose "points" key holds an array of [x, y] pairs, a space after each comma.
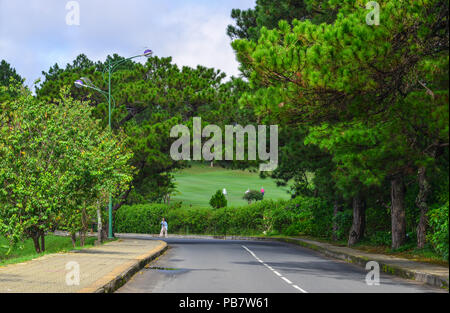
{"points": [[218, 200], [373, 99], [268, 13], [343, 221], [253, 195], [8, 75], [56, 162], [439, 233], [307, 216], [149, 100], [262, 217]]}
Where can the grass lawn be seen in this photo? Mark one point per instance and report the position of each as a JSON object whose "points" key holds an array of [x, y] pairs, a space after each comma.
{"points": [[53, 244], [196, 185]]}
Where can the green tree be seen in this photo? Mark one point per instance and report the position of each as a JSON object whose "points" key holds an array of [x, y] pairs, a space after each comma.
{"points": [[7, 72], [268, 13], [218, 200], [353, 84], [8, 75], [56, 161], [149, 100], [253, 195]]}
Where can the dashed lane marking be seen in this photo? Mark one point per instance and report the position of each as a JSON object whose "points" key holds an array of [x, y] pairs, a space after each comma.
{"points": [[274, 271]]}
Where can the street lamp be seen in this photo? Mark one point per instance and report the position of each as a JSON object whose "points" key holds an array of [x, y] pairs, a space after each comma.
{"points": [[84, 82]]}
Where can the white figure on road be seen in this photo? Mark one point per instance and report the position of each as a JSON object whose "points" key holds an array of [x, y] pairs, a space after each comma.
{"points": [[164, 228]]}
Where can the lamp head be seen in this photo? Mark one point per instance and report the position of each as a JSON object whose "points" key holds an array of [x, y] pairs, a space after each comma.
{"points": [[148, 53], [79, 84]]}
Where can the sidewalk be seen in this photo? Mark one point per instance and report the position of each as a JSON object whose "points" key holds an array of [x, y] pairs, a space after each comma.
{"points": [[102, 269]]}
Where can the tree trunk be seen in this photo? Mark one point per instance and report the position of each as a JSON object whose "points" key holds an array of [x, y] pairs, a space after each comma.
{"points": [[73, 237], [359, 221], [398, 214], [82, 238], [85, 225], [35, 238], [421, 202], [42, 235], [336, 210], [99, 227], [105, 227]]}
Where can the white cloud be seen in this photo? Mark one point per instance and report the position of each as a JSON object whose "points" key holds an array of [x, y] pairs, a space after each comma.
{"points": [[34, 34]]}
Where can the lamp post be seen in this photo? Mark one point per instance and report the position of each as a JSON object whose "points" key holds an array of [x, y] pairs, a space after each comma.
{"points": [[83, 82]]}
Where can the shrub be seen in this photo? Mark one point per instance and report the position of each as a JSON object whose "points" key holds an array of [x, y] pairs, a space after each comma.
{"points": [[381, 238], [218, 200], [141, 219], [253, 195], [438, 235], [344, 221], [300, 216], [312, 216]]}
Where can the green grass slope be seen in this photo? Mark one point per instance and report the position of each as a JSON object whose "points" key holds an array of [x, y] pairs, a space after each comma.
{"points": [[197, 184]]}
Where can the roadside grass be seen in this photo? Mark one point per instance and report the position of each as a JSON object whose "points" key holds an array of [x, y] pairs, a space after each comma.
{"points": [[196, 186], [426, 255], [53, 244]]}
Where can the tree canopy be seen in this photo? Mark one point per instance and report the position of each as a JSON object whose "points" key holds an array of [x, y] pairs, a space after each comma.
{"points": [[373, 97]]}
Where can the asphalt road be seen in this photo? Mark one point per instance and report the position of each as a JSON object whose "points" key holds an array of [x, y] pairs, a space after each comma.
{"points": [[217, 266]]}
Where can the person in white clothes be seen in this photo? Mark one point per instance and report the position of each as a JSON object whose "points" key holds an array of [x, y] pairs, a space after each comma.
{"points": [[164, 228]]}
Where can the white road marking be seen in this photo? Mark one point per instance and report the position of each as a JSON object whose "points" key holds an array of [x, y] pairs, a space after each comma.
{"points": [[297, 287], [278, 274], [274, 271], [286, 280]]}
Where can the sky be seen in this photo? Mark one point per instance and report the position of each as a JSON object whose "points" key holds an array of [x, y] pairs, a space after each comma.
{"points": [[36, 34]]}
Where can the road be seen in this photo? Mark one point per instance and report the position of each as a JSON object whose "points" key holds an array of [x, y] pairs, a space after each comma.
{"points": [[217, 266]]}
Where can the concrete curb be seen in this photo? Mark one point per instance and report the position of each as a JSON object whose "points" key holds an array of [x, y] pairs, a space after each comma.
{"points": [[429, 279], [139, 236], [122, 274]]}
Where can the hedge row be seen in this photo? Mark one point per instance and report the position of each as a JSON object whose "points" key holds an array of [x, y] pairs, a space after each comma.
{"points": [[308, 216]]}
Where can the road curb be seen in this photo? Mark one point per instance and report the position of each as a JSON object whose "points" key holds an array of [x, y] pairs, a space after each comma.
{"points": [[218, 237], [122, 274], [429, 279]]}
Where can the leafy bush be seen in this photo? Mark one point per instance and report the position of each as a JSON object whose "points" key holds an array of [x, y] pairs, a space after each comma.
{"points": [[438, 236], [312, 216], [278, 219], [253, 195], [344, 221], [141, 219], [146, 218], [218, 200], [381, 238], [305, 215]]}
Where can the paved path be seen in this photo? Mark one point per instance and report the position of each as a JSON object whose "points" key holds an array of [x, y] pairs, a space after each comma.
{"points": [[97, 266], [431, 274], [218, 266]]}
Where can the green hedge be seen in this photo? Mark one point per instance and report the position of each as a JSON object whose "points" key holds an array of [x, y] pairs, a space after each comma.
{"points": [[308, 216], [439, 233]]}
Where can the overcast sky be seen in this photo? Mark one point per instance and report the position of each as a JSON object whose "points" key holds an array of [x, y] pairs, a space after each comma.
{"points": [[34, 34]]}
